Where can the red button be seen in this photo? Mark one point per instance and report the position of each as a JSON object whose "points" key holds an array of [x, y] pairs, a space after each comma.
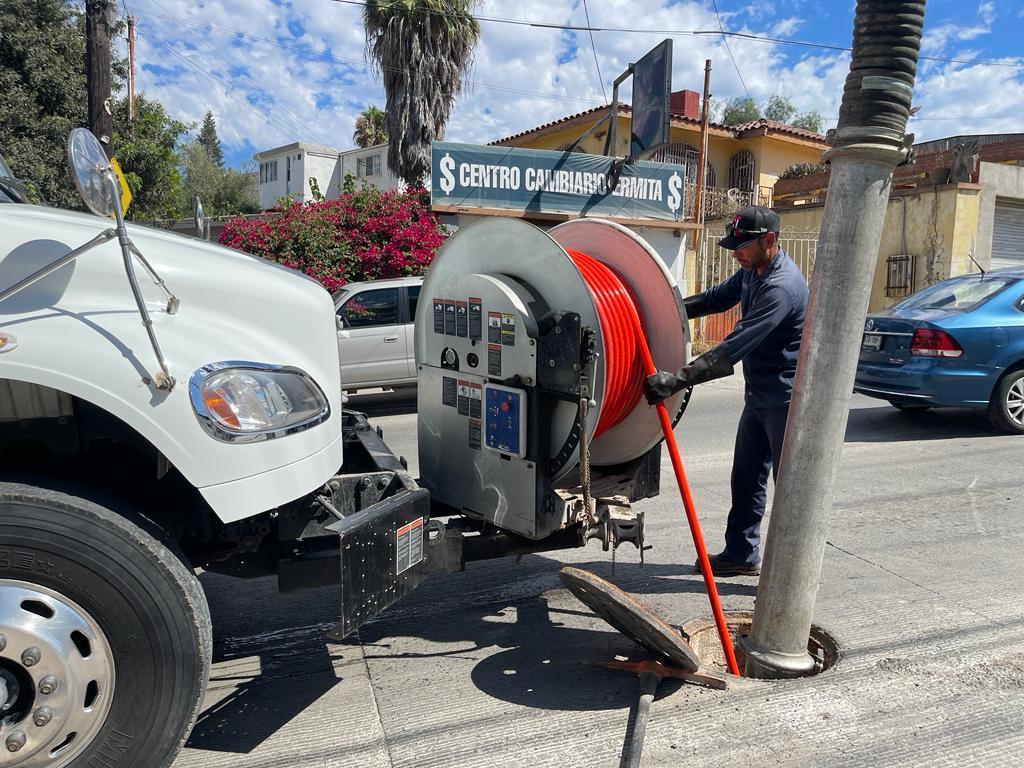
{"points": [[504, 407]]}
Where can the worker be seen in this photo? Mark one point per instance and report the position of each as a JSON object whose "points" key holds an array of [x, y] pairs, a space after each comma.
{"points": [[772, 294]]}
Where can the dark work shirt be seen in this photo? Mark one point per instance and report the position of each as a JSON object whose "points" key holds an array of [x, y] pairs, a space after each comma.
{"points": [[767, 337]]}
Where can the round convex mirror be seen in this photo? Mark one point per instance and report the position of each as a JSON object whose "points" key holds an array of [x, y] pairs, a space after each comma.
{"points": [[197, 213], [91, 169]]}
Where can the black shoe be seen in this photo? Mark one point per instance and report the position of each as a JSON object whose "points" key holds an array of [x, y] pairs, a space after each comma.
{"points": [[722, 567]]}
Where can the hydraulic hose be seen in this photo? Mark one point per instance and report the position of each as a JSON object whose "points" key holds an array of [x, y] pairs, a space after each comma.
{"points": [[627, 361], [878, 90]]}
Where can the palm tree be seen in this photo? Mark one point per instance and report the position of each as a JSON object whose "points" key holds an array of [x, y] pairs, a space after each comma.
{"points": [[423, 49], [371, 128]]}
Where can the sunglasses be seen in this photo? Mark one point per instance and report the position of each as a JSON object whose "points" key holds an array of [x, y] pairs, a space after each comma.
{"points": [[737, 232]]}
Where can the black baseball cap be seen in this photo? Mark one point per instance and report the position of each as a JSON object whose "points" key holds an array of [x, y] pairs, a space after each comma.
{"points": [[749, 224]]}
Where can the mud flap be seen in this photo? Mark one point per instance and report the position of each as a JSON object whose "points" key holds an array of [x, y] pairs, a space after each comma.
{"points": [[383, 555]]}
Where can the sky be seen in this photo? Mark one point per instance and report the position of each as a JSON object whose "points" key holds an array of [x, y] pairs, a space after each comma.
{"points": [[278, 71]]}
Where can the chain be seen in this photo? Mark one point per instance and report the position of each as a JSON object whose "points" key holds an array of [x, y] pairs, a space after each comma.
{"points": [[588, 503]]}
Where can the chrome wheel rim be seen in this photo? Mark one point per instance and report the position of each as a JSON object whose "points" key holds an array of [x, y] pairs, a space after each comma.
{"points": [[56, 677], [1015, 402]]}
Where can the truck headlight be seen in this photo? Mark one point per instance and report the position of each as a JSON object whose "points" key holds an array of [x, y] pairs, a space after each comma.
{"points": [[243, 402]]}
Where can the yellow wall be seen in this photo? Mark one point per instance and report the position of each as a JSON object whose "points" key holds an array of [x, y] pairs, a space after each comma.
{"points": [[941, 227], [771, 155]]}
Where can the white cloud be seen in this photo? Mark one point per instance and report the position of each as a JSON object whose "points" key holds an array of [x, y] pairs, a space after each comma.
{"points": [[266, 94]]}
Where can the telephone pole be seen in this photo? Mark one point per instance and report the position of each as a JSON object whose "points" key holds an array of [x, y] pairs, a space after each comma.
{"points": [[100, 16], [131, 72], [867, 145]]}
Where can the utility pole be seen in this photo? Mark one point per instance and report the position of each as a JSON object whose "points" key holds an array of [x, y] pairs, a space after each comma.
{"points": [[131, 72], [868, 143], [99, 20], [698, 195]]}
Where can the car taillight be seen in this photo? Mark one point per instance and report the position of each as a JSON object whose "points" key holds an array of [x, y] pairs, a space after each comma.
{"points": [[932, 343]]}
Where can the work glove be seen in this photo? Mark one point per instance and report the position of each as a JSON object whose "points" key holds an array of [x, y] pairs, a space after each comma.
{"points": [[696, 306], [711, 365]]}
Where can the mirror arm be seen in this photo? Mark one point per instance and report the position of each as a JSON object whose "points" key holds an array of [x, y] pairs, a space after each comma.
{"points": [[172, 300], [162, 380], [49, 269]]}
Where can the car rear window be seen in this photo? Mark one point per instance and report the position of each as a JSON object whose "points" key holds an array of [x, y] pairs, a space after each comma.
{"points": [[959, 294]]}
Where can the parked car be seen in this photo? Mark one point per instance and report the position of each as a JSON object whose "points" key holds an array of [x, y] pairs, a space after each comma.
{"points": [[375, 333], [956, 343]]}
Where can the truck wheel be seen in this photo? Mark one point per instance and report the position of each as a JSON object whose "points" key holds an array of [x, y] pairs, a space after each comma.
{"points": [[1006, 408], [105, 636]]}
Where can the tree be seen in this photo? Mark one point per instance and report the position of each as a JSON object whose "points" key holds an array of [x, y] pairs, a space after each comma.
{"points": [[740, 110], [42, 92], [147, 154], [809, 121], [208, 139], [422, 49], [224, 191], [371, 128], [780, 109]]}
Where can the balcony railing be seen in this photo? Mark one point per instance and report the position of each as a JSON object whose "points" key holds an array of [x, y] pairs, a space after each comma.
{"points": [[722, 203]]}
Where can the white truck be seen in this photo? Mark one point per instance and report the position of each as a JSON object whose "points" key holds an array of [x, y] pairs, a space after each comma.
{"points": [[168, 405]]}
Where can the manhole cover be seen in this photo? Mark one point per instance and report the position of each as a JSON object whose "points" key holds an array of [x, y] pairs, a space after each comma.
{"points": [[632, 618]]}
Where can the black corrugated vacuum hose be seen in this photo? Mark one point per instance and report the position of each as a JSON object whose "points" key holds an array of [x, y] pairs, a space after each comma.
{"points": [[878, 90]]}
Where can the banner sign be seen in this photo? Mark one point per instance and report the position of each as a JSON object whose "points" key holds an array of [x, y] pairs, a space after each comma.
{"points": [[542, 181]]}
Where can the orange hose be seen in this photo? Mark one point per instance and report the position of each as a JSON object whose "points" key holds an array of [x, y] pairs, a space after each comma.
{"points": [[627, 359]]}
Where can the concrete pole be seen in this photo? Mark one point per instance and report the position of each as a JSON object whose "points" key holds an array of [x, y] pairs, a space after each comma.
{"points": [[868, 144]]}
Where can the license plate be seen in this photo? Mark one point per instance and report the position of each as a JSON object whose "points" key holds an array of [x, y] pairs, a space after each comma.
{"points": [[872, 341]]}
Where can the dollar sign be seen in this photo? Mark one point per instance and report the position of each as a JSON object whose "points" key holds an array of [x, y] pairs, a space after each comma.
{"points": [[446, 166], [675, 198]]}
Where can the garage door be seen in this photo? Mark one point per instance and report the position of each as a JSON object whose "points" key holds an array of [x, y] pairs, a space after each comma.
{"points": [[1008, 235]]}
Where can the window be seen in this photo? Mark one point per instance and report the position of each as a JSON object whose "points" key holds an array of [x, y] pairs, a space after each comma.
{"points": [[368, 166], [741, 171], [414, 297], [686, 154], [268, 172], [288, 168], [369, 308], [960, 293]]}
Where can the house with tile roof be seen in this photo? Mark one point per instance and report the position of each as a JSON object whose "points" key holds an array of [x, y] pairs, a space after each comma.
{"points": [[747, 159]]}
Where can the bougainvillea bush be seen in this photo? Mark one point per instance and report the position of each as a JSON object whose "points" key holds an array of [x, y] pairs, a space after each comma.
{"points": [[363, 235]]}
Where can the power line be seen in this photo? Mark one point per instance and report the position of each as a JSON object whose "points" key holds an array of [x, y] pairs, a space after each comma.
{"points": [[593, 47], [726, 41], [679, 32], [298, 125]]}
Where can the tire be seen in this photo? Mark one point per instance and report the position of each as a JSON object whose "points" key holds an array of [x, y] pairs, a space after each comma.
{"points": [[1006, 408], [142, 614], [909, 407]]}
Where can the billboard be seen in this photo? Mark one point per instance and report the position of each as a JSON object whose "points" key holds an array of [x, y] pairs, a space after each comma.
{"points": [[652, 96], [543, 181]]}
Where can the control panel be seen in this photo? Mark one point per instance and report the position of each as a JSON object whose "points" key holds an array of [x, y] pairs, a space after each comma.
{"points": [[505, 419]]}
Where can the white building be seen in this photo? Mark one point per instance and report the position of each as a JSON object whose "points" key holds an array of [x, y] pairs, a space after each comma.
{"points": [[287, 170]]}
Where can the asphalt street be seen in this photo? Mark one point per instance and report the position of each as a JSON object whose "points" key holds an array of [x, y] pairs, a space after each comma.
{"points": [[495, 666]]}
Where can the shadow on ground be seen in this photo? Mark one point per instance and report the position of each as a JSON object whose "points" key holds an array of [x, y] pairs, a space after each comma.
{"points": [[375, 402], [885, 424], [282, 663]]}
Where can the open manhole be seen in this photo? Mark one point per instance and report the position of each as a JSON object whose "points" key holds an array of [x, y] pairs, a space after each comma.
{"points": [[702, 635]]}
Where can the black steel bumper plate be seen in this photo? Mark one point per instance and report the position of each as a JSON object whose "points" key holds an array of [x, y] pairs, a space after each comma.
{"points": [[383, 554], [632, 618]]}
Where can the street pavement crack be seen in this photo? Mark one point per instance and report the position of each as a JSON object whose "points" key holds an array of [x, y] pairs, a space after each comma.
{"points": [[900, 576], [376, 704]]}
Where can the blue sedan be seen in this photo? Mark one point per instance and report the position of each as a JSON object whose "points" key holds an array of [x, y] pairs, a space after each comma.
{"points": [[956, 343]]}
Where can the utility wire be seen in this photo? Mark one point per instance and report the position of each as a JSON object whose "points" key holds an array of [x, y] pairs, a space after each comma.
{"points": [[282, 129], [680, 32], [726, 41], [593, 47], [298, 125]]}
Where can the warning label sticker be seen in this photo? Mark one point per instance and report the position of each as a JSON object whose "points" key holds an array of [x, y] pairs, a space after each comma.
{"points": [[494, 327], [408, 546], [476, 399], [475, 319], [494, 359], [449, 391], [508, 329], [464, 398], [449, 318], [461, 318], [474, 434], [439, 316]]}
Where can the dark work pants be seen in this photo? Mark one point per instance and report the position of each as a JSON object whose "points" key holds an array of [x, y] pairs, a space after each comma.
{"points": [[758, 450]]}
